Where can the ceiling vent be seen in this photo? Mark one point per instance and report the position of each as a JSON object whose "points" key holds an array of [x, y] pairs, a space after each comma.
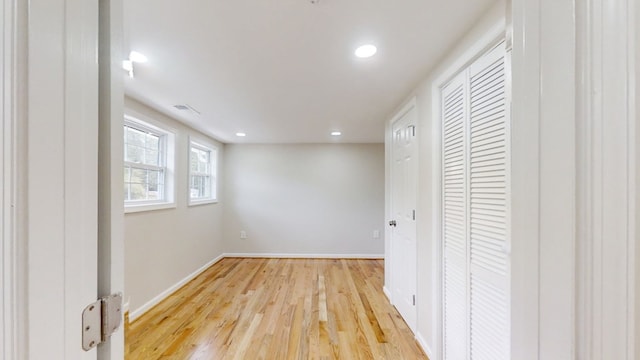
{"points": [[187, 107]]}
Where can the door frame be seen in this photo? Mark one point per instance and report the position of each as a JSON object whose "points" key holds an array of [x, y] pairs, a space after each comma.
{"points": [[110, 172], [13, 311]]}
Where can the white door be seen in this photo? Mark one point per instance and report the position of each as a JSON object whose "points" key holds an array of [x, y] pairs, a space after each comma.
{"points": [[62, 173], [56, 174], [454, 262], [403, 217], [476, 217]]}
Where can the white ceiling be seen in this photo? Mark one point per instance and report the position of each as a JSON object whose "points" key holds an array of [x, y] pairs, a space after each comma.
{"points": [[283, 71]]}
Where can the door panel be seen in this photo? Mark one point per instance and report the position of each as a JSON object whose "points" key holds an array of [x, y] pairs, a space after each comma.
{"points": [[488, 208], [403, 205], [454, 221], [61, 167]]}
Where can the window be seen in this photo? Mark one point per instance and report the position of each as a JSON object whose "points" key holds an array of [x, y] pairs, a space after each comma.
{"points": [[202, 173], [147, 166]]}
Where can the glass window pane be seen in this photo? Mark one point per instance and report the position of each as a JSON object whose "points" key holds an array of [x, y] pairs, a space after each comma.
{"points": [[138, 192], [138, 176], [134, 154], [154, 180], [127, 172], [151, 157], [126, 192], [136, 137], [193, 159], [153, 142]]}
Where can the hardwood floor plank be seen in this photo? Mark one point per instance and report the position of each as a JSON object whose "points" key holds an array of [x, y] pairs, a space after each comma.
{"points": [[276, 309]]}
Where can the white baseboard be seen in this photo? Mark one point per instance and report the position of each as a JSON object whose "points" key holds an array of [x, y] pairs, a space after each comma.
{"points": [[156, 300], [387, 293], [424, 346], [304, 256]]}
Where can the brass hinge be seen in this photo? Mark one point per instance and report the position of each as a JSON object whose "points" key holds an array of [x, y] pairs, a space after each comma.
{"points": [[100, 320]]}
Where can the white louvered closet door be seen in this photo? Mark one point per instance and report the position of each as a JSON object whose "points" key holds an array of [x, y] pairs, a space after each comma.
{"points": [[476, 263], [489, 208]]}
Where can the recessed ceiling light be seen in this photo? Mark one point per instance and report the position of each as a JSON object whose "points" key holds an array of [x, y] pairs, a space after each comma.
{"points": [[241, 134], [336, 133], [366, 51], [137, 57]]}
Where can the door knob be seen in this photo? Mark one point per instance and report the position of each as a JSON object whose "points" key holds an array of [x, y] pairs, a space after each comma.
{"points": [[392, 223]]}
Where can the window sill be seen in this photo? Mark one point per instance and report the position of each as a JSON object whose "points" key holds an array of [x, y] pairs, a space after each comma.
{"points": [[202, 202], [148, 207]]}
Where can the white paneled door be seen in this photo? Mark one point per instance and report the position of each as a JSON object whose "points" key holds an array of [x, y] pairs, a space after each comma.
{"points": [[403, 221], [476, 264]]}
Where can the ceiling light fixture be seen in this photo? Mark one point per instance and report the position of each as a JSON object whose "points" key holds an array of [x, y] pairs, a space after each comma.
{"points": [[241, 134], [336, 133], [134, 57], [366, 51]]}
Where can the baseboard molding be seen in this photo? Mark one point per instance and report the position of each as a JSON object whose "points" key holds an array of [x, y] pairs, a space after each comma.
{"points": [[424, 346], [303, 256], [133, 315], [387, 293]]}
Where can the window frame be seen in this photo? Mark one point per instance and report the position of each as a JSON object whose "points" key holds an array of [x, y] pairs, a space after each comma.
{"points": [[166, 150], [198, 143]]}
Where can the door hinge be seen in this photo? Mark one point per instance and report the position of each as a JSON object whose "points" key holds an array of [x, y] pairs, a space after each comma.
{"points": [[414, 300], [414, 214], [413, 130], [100, 320]]}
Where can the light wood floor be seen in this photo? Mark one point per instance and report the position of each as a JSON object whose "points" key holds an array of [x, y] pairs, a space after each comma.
{"points": [[276, 309]]}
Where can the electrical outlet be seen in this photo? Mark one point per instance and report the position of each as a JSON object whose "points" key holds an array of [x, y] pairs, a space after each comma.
{"points": [[376, 234], [243, 234]]}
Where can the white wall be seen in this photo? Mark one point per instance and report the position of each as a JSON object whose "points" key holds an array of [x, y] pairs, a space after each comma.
{"points": [[324, 199], [489, 28], [162, 247]]}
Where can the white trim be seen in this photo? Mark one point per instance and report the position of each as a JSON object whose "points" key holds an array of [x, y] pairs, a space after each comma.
{"points": [[133, 315], [193, 203], [606, 257], [304, 256], [387, 293], [134, 208], [423, 344], [13, 341]]}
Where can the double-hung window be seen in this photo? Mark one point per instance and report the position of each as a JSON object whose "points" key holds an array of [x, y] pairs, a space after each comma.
{"points": [[202, 172], [147, 166]]}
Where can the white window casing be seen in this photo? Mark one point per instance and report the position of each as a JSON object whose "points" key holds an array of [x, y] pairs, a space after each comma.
{"points": [[203, 171], [148, 166]]}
